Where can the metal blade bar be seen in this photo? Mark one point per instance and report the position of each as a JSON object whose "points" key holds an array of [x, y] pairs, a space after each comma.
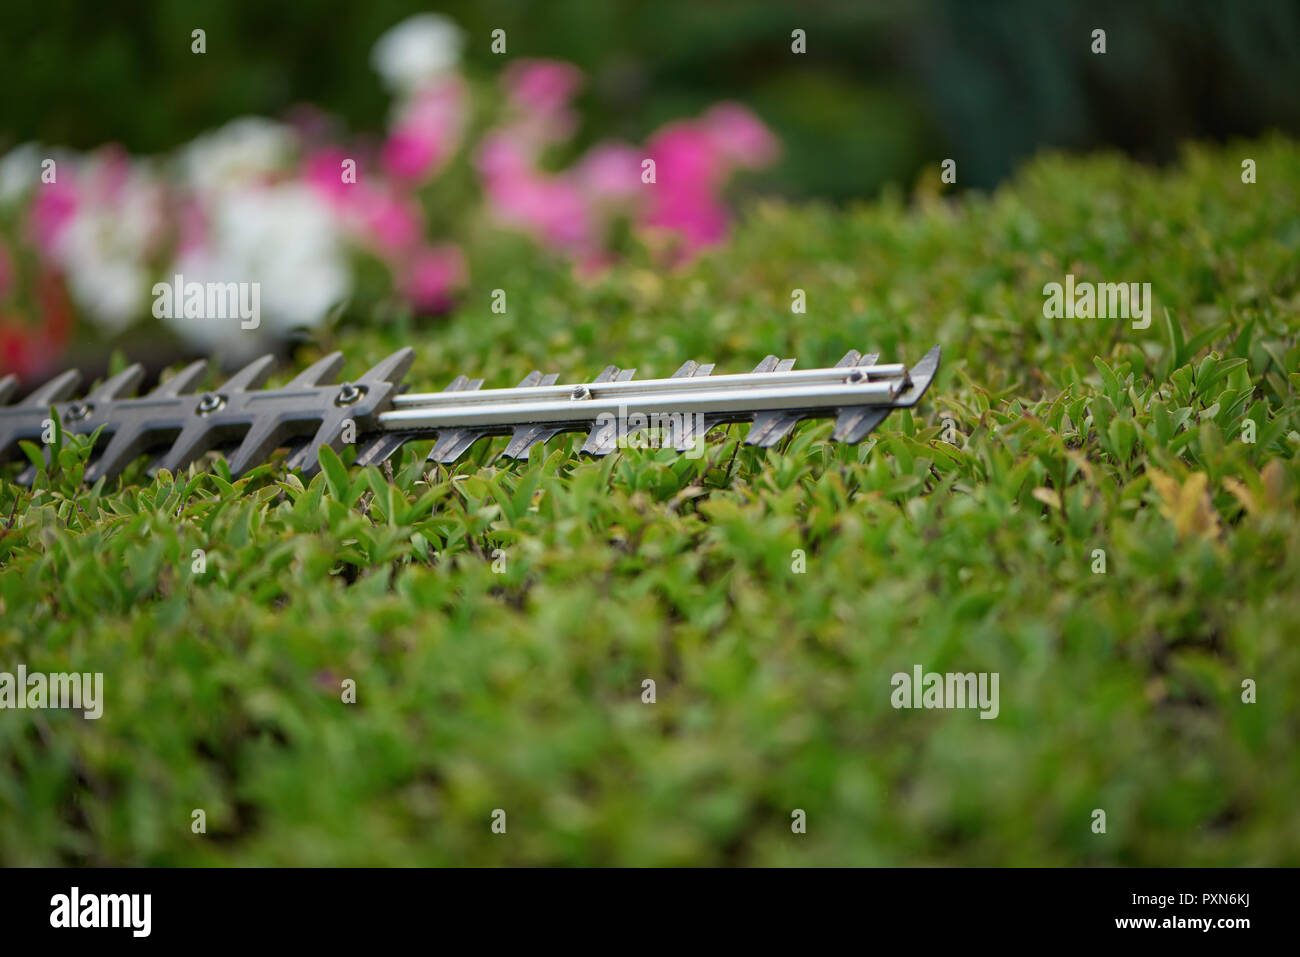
{"points": [[634, 387], [832, 394]]}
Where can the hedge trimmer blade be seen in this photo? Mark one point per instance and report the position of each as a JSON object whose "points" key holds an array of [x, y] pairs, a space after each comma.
{"points": [[178, 425]]}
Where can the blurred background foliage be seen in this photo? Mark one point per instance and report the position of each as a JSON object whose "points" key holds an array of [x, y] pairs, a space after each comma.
{"points": [[882, 90]]}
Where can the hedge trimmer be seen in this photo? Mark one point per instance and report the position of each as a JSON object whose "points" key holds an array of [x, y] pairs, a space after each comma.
{"points": [[178, 425]]}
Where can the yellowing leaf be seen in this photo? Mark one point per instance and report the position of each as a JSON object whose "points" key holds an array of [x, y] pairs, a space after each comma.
{"points": [[1188, 505], [1242, 494], [1048, 496]]}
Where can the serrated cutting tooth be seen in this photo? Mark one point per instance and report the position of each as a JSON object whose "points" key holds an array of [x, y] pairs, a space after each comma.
{"points": [[334, 417], [854, 423], [850, 359], [603, 438], [771, 427], [124, 444], [453, 443], [119, 386], [199, 435], [183, 381], [122, 449], [262, 438], [681, 431], [391, 368], [382, 447], [23, 421], [56, 390], [195, 440], [8, 388], [774, 364], [463, 384], [320, 372], [525, 437], [250, 376], [857, 422]]}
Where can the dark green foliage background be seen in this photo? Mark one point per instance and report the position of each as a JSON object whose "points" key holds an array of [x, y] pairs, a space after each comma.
{"points": [[883, 91], [522, 691]]}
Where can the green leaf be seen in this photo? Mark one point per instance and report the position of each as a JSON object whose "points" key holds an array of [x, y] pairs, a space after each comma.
{"points": [[336, 473]]}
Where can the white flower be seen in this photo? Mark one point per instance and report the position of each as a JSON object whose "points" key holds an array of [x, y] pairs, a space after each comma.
{"points": [[20, 170], [285, 239], [418, 49], [103, 249], [242, 151]]}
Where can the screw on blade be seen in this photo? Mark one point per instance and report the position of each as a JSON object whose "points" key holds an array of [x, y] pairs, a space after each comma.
{"points": [[306, 408], [199, 434], [126, 442], [525, 437], [603, 439], [131, 438], [79, 414], [855, 423], [24, 419], [336, 416]]}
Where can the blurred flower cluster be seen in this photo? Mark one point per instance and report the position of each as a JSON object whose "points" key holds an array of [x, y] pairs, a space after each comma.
{"points": [[300, 210], [669, 189]]}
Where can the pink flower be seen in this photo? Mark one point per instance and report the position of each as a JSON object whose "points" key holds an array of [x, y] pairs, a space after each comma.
{"points": [[426, 133], [611, 171], [192, 228], [689, 170], [109, 174], [501, 159], [549, 206], [699, 218], [52, 211], [686, 156], [390, 222], [432, 275], [740, 136], [552, 207], [542, 86], [692, 162], [539, 93], [323, 172]]}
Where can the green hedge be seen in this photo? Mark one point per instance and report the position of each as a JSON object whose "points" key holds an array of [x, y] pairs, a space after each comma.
{"points": [[522, 691]]}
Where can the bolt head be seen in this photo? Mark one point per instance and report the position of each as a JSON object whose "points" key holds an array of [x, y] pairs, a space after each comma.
{"points": [[210, 402], [856, 375], [581, 392], [349, 394], [78, 411]]}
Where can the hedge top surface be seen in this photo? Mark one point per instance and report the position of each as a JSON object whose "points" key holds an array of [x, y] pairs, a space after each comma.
{"points": [[1103, 516]]}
